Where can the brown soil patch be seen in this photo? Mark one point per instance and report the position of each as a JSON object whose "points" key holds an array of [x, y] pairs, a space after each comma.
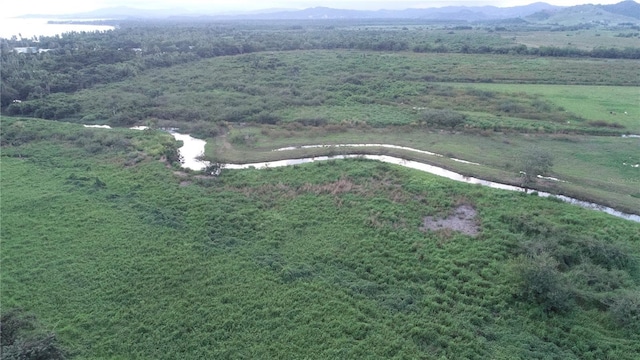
{"points": [[462, 220], [342, 186]]}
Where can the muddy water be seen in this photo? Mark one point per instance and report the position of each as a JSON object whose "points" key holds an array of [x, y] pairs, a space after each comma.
{"points": [[193, 148], [191, 151]]}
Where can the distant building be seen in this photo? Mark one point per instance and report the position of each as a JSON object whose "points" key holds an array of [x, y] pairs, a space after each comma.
{"points": [[29, 50], [26, 50]]}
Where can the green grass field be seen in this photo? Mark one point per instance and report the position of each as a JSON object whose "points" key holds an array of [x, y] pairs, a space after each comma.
{"points": [[124, 257], [608, 103]]}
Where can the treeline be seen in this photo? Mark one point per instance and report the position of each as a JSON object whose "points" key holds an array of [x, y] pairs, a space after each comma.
{"points": [[78, 61], [599, 52]]}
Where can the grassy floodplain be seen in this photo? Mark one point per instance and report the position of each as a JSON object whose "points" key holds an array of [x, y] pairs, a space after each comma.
{"points": [[607, 103], [108, 244], [598, 169], [329, 97], [125, 257]]}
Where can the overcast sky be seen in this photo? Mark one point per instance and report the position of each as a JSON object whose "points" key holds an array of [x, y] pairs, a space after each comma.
{"points": [[22, 7]]}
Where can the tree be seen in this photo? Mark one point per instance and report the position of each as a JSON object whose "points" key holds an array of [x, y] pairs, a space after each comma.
{"points": [[534, 162]]}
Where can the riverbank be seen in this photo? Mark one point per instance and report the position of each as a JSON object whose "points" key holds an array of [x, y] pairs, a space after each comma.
{"points": [[193, 149], [597, 169]]}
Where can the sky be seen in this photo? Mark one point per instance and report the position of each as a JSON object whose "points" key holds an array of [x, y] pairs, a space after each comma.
{"points": [[22, 7]]}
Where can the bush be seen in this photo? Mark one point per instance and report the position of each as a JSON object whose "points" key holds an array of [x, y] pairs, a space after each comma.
{"points": [[267, 118], [242, 139], [609, 256], [317, 121], [625, 311], [20, 338], [510, 107], [542, 283], [593, 278], [446, 118], [602, 123]]}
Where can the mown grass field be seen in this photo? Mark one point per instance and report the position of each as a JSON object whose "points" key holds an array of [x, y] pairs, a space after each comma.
{"points": [[124, 257]]}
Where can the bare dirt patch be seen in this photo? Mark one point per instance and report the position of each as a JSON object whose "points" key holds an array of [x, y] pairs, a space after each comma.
{"points": [[335, 188], [462, 220]]}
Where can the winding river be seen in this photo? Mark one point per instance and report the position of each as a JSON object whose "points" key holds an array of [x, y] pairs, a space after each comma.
{"points": [[192, 149]]}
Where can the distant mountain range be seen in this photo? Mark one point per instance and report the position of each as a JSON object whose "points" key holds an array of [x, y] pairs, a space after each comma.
{"points": [[626, 11], [538, 12]]}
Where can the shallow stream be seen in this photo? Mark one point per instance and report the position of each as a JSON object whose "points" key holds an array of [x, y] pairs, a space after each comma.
{"points": [[193, 149]]}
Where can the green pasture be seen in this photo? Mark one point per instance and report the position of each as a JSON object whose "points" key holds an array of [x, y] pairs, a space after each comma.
{"points": [[612, 104]]}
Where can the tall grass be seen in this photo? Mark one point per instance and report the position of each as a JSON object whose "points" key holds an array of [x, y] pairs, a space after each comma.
{"points": [[313, 261]]}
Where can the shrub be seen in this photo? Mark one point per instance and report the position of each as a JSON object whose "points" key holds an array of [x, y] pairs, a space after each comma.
{"points": [[20, 338], [542, 283], [609, 256], [243, 139], [446, 118], [509, 107], [267, 118], [594, 278], [602, 123], [316, 121], [625, 311]]}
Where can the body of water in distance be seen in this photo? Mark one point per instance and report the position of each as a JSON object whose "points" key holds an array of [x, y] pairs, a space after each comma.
{"points": [[28, 28]]}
